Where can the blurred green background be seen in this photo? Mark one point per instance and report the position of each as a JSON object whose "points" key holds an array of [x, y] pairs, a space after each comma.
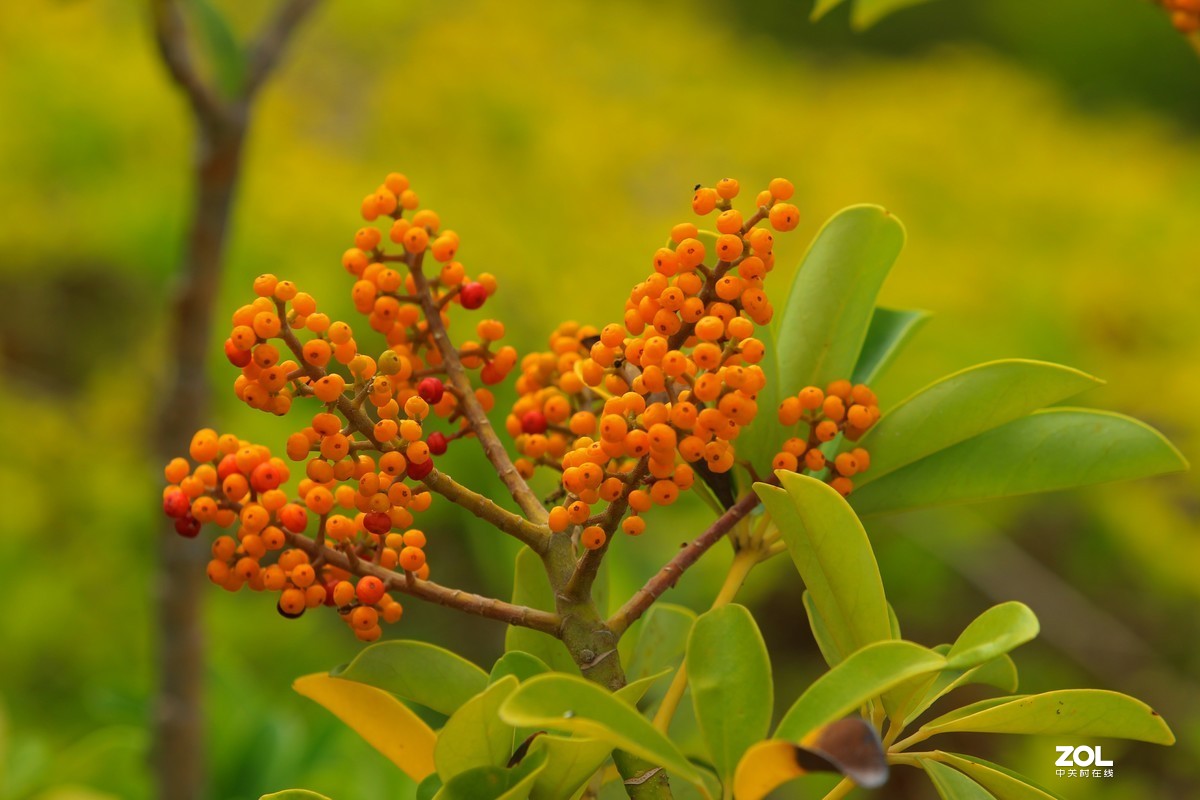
{"points": [[1044, 156]]}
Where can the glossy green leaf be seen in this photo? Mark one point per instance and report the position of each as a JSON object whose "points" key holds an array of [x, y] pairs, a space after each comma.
{"points": [[573, 705], [633, 692], [823, 326], [1048, 450], [1076, 712], [294, 794], [519, 664], [820, 631], [952, 784], [429, 787], [890, 330], [863, 675], [570, 763], [1002, 782], [963, 405], [661, 640], [831, 550], [819, 332], [996, 631], [531, 588], [221, 46], [378, 717], [729, 672], [495, 783], [1000, 672], [404, 667], [475, 736]]}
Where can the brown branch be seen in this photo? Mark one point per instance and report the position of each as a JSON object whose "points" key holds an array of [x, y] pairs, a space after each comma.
{"points": [[666, 577], [467, 602], [476, 416], [268, 46], [170, 34], [588, 565], [537, 537]]}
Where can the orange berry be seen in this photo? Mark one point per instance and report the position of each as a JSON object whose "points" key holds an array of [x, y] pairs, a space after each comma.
{"points": [[593, 537], [780, 188], [826, 430], [412, 559], [784, 216], [634, 526], [815, 460], [842, 485]]}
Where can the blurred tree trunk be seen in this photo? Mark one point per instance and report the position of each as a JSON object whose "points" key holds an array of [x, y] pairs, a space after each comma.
{"points": [[220, 130]]}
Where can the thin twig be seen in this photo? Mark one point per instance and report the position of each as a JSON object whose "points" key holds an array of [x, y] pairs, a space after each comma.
{"points": [[666, 577], [493, 448], [467, 602]]}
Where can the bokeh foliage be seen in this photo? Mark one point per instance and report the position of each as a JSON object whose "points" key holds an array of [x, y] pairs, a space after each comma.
{"points": [[1045, 162]]}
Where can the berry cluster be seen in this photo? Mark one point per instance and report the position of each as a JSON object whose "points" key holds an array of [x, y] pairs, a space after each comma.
{"points": [[841, 409], [1185, 14], [367, 451], [630, 412]]}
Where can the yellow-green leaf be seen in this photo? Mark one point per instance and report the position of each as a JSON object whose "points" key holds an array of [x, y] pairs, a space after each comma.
{"points": [[889, 332], [1002, 782], [404, 667], [573, 705], [378, 717], [834, 557], [952, 784], [1052, 449], [475, 736], [1075, 712], [963, 405]]}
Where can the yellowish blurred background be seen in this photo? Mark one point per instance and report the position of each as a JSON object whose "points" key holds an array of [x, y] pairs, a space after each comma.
{"points": [[1045, 161]]}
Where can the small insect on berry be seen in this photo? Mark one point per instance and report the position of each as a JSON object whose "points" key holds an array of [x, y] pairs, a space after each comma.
{"points": [[472, 295]]}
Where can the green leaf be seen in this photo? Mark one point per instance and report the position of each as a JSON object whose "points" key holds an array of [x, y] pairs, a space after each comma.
{"points": [[823, 7], [531, 588], [833, 554], [661, 641], [495, 783], [404, 668], [519, 664], [221, 47], [632, 693], [1003, 783], [889, 332], [1048, 450], [820, 630], [824, 323], [429, 787], [378, 717], [963, 405], [570, 763], [820, 331], [862, 676], [571, 704], [1000, 672], [474, 736], [952, 784], [1076, 712], [996, 631], [293, 794], [730, 676]]}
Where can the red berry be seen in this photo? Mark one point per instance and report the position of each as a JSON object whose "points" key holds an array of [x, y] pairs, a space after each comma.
{"points": [[329, 587], [294, 517], [472, 295], [377, 522], [228, 466], [187, 526], [533, 422], [437, 443], [431, 390], [370, 590], [239, 358], [265, 477], [417, 471], [176, 504]]}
